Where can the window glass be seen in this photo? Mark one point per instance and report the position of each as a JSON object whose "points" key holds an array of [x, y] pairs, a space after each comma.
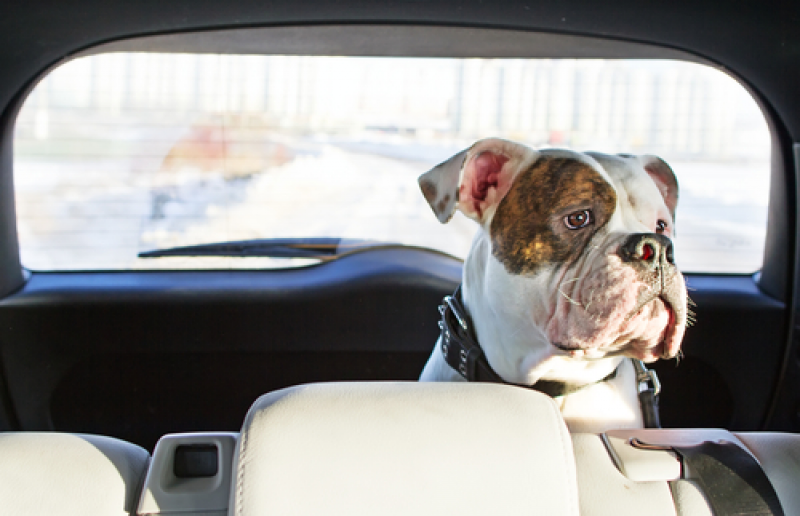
{"points": [[122, 153]]}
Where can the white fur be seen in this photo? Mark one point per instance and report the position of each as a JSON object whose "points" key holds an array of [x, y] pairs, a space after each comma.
{"points": [[512, 314]]}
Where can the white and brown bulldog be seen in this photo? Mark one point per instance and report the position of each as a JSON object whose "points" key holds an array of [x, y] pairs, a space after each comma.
{"points": [[570, 272]]}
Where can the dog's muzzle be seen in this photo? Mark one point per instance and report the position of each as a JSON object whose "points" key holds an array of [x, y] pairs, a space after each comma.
{"points": [[651, 255], [649, 250]]}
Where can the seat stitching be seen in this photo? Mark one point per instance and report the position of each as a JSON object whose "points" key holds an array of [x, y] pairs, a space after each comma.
{"points": [[564, 450], [240, 474]]}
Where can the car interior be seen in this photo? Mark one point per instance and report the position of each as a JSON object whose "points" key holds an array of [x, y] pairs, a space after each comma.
{"points": [[292, 390]]}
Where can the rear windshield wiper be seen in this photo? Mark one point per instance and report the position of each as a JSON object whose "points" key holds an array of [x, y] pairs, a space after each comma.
{"points": [[318, 248]]}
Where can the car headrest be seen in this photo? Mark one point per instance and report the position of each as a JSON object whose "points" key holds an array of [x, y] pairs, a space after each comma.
{"points": [[404, 448], [69, 474]]}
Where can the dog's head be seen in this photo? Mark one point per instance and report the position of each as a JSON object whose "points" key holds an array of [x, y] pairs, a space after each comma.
{"points": [[577, 243]]}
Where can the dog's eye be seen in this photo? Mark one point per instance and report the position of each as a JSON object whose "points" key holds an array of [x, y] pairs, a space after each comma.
{"points": [[661, 226], [578, 220]]}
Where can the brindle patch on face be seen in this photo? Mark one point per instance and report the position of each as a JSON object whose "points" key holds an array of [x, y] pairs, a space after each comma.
{"points": [[528, 230]]}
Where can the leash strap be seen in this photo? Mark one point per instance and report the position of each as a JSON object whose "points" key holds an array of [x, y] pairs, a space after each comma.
{"points": [[649, 387], [463, 353], [731, 479]]}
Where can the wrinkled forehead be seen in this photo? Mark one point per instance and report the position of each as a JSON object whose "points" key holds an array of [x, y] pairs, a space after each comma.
{"points": [[560, 179], [587, 167], [617, 168], [628, 177]]}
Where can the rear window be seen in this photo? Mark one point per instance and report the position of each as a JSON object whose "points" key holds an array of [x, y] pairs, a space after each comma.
{"points": [[123, 153]]}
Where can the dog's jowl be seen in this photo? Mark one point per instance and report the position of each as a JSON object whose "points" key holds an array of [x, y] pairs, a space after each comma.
{"points": [[570, 274]]}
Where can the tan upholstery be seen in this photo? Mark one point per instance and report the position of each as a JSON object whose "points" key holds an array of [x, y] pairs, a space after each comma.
{"points": [[404, 448], [455, 448], [166, 493], [69, 474], [779, 455], [605, 491]]}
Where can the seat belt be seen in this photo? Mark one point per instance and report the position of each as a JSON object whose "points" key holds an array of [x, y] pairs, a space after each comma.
{"points": [[730, 478]]}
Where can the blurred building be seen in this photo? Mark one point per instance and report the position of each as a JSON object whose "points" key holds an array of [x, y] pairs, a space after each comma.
{"points": [[671, 108]]}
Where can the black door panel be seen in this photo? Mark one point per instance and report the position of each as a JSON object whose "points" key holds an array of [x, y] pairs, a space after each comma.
{"points": [[732, 356], [136, 355], [139, 354]]}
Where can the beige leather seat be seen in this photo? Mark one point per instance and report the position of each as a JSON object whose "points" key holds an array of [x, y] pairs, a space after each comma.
{"points": [[404, 449], [779, 455], [49, 473], [615, 478], [453, 448]]}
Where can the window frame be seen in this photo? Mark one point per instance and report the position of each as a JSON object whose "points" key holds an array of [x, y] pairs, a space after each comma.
{"points": [[393, 40]]}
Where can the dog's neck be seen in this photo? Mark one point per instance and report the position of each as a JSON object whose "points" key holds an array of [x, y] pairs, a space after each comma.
{"points": [[517, 348]]}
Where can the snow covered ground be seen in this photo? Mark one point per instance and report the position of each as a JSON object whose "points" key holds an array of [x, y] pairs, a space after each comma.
{"points": [[99, 214]]}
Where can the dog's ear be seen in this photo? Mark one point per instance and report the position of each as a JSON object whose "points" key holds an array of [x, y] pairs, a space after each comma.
{"points": [[664, 178], [474, 180], [439, 185]]}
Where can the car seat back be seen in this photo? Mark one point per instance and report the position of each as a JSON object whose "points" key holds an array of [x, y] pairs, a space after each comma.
{"points": [[413, 448], [69, 474], [444, 448], [703, 472]]}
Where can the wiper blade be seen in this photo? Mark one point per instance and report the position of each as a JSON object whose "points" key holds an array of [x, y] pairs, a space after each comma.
{"points": [[318, 248]]}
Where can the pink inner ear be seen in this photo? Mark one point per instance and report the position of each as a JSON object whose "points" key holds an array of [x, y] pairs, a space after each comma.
{"points": [[665, 180], [488, 166]]}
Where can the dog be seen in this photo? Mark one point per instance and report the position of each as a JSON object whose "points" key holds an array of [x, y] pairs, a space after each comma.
{"points": [[570, 275]]}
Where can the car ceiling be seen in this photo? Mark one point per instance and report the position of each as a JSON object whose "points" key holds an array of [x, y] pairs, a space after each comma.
{"points": [[755, 41], [741, 35]]}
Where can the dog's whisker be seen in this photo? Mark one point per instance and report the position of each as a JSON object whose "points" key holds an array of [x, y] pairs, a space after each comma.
{"points": [[572, 301], [567, 282], [516, 331], [591, 300], [527, 325]]}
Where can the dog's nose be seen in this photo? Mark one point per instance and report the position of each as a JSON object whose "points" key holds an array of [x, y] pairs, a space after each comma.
{"points": [[650, 248]]}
